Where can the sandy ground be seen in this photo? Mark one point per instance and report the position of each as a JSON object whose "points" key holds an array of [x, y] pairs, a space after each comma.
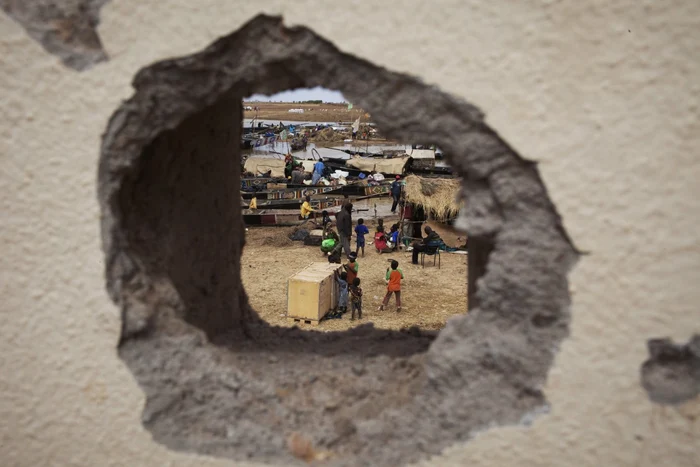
{"points": [[312, 112], [430, 295]]}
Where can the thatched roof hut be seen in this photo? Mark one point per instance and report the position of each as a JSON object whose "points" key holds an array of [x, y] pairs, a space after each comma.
{"points": [[437, 196]]}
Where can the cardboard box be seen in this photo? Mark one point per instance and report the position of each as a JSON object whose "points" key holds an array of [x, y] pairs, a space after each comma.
{"points": [[312, 292]]}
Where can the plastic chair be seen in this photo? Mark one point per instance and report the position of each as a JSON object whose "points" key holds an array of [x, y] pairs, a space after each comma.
{"points": [[431, 249]]}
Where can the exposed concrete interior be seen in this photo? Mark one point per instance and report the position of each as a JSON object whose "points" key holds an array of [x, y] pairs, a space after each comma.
{"points": [[182, 221], [172, 236]]}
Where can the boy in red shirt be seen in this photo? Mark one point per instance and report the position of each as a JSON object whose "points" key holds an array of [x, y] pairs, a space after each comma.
{"points": [[393, 276]]}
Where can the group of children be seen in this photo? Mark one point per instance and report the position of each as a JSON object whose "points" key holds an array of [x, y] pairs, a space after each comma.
{"points": [[382, 241], [350, 290], [348, 282]]}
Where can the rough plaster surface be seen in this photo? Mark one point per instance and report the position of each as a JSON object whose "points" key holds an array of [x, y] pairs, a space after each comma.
{"points": [[603, 96], [65, 28], [167, 187]]}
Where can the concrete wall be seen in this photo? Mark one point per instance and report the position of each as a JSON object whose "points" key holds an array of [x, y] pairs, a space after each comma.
{"points": [[605, 97]]}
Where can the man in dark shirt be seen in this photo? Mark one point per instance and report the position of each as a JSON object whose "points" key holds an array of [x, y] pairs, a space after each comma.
{"points": [[418, 247], [344, 223], [395, 192]]}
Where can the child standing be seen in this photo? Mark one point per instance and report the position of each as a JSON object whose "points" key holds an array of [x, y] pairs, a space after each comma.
{"points": [[342, 280], [360, 231], [352, 267], [356, 299], [393, 277]]}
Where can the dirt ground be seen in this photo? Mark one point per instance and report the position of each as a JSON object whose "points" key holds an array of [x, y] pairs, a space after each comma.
{"points": [[312, 112], [429, 295]]}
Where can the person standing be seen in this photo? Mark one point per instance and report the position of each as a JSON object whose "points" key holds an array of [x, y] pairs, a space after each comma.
{"points": [[356, 299], [342, 280], [318, 172], [344, 222], [352, 268], [393, 278], [395, 192], [360, 231]]}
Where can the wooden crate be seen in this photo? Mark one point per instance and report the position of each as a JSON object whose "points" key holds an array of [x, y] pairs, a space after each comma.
{"points": [[312, 292]]}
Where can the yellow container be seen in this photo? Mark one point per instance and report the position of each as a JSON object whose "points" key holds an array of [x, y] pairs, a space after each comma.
{"points": [[312, 292]]}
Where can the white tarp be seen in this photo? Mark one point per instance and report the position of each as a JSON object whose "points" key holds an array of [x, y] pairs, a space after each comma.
{"points": [[260, 165], [308, 165], [392, 166], [422, 153]]}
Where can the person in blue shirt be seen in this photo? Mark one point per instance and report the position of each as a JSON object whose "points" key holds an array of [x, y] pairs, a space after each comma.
{"points": [[394, 236], [342, 280], [318, 172], [360, 231], [395, 192]]}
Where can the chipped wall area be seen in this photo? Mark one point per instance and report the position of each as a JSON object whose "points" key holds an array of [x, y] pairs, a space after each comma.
{"points": [[66, 28], [585, 91]]}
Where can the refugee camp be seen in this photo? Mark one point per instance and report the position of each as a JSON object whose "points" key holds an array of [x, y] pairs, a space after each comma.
{"points": [[345, 226]]}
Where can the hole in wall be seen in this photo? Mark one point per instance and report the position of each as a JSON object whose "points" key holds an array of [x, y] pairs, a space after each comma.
{"points": [[221, 381]]}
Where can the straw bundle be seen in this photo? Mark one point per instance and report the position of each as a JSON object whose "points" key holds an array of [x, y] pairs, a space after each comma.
{"points": [[328, 135], [438, 196]]}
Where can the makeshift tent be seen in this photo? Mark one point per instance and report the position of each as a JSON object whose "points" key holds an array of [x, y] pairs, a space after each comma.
{"points": [[437, 196], [260, 165]]}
